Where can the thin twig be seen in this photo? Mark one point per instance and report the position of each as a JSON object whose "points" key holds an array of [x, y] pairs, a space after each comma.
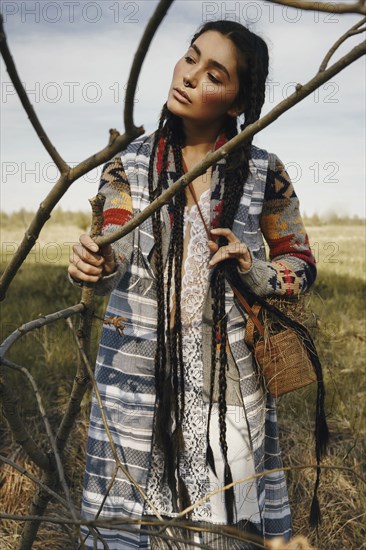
{"points": [[263, 474], [351, 32], [302, 91], [22, 94], [120, 522], [141, 52], [110, 485], [230, 531], [330, 7], [65, 521], [38, 323]]}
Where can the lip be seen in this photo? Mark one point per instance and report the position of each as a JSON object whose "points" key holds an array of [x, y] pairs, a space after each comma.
{"points": [[181, 95]]}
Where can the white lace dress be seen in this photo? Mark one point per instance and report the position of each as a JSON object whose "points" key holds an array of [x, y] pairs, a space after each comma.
{"points": [[199, 478]]}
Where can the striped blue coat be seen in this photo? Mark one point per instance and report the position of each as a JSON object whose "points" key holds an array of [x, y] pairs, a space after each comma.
{"points": [[125, 364]]}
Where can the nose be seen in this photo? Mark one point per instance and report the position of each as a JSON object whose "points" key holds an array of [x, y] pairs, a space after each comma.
{"points": [[190, 79]]}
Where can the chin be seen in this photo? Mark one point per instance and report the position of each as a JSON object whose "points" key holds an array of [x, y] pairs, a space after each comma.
{"points": [[174, 107]]}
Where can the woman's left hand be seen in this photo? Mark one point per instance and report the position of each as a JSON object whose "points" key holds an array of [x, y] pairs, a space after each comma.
{"points": [[234, 249]]}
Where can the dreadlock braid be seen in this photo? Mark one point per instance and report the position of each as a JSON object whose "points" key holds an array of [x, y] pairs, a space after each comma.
{"points": [[169, 378], [234, 183], [160, 359], [179, 243]]}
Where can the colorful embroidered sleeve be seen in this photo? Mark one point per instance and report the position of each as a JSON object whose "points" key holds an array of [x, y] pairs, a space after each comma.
{"points": [[117, 211], [291, 269]]}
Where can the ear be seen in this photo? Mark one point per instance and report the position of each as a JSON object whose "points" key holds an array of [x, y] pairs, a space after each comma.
{"points": [[235, 110]]}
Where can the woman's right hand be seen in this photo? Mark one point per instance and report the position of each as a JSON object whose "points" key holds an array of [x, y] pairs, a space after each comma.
{"points": [[88, 263]]}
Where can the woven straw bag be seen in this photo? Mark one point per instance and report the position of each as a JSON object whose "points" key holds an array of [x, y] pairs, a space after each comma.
{"points": [[282, 356], [283, 359], [284, 362]]}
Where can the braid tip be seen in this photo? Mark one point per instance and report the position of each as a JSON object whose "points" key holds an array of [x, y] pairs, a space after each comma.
{"points": [[210, 461]]}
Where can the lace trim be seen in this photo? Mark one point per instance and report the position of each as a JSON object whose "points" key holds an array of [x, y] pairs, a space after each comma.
{"points": [[196, 271]]}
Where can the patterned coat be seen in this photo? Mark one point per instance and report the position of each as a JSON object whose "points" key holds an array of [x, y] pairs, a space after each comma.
{"points": [[124, 372]]}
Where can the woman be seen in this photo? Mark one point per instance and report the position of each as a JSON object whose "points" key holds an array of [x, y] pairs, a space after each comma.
{"points": [[185, 405]]}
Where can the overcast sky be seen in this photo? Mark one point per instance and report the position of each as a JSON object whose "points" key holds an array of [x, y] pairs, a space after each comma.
{"points": [[74, 58]]}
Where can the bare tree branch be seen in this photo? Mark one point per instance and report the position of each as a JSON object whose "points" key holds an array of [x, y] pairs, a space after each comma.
{"points": [[46, 519], [125, 523], [69, 175], [22, 94], [139, 58], [302, 91], [81, 380], [330, 7], [351, 32], [65, 521], [54, 196], [38, 323], [41, 500], [55, 457], [117, 142]]}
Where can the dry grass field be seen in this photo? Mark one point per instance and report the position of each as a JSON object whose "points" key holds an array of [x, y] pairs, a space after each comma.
{"points": [[338, 299]]}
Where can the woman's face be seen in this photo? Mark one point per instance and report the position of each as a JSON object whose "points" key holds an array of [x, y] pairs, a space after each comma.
{"points": [[205, 81]]}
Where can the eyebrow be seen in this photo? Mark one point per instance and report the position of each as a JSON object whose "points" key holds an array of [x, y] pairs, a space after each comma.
{"points": [[212, 61]]}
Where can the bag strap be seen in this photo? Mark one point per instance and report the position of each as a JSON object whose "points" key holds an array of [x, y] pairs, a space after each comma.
{"points": [[321, 428], [193, 193], [252, 314]]}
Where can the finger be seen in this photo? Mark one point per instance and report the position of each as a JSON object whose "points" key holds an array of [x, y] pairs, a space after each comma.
{"points": [[82, 253], [225, 232], [213, 247], [237, 249], [233, 250], [80, 275], [88, 242], [221, 255], [109, 259]]}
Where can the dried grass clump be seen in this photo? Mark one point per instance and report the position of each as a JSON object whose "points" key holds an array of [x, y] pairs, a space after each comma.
{"points": [[17, 491], [296, 543], [298, 308], [341, 493], [341, 497]]}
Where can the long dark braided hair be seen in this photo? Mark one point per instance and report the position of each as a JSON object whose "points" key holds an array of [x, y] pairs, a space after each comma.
{"points": [[252, 72]]}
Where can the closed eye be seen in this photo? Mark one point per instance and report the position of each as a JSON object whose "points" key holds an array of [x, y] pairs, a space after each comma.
{"points": [[213, 79], [189, 59]]}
